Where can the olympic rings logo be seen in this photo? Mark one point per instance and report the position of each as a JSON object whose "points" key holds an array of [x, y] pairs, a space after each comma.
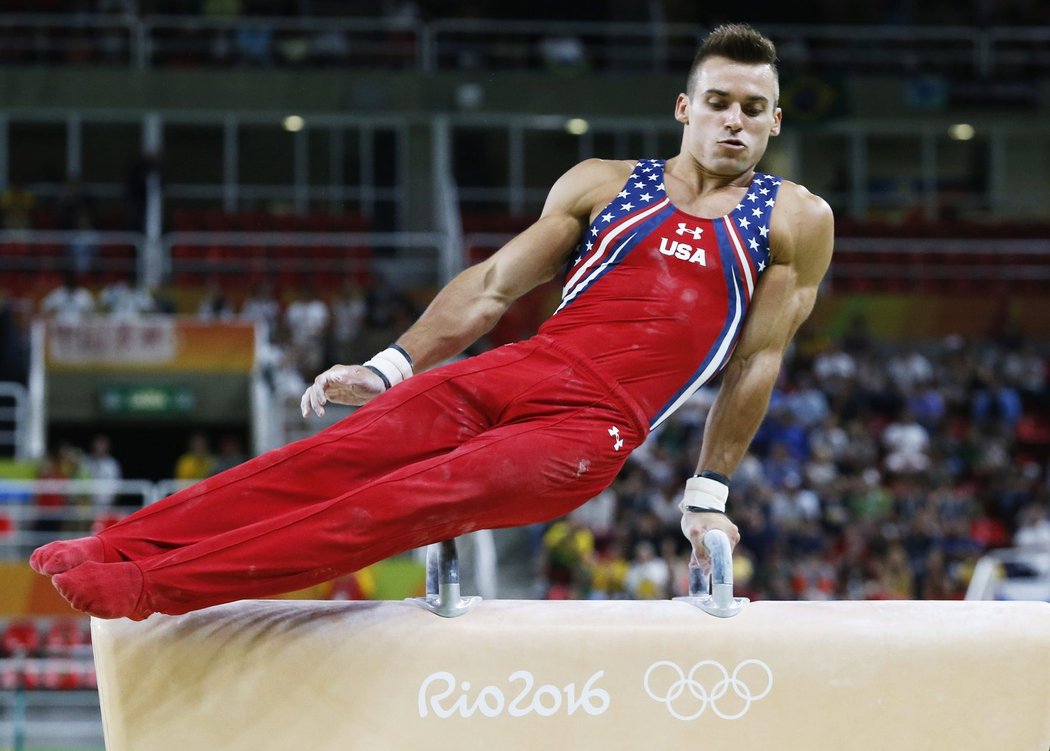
{"points": [[666, 683]]}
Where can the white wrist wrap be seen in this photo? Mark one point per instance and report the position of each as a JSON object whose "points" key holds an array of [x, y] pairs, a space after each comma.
{"points": [[704, 492], [393, 364]]}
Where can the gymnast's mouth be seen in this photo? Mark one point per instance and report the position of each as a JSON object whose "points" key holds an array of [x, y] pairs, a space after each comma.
{"points": [[732, 143]]}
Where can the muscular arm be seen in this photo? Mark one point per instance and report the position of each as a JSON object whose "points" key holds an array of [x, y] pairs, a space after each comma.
{"points": [[473, 302], [802, 235]]}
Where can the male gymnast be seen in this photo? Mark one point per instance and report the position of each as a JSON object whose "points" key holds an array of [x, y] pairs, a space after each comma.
{"points": [[675, 270]]}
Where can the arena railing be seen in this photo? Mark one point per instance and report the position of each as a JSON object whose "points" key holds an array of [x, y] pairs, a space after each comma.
{"points": [[452, 44], [917, 260], [884, 166], [106, 253], [39, 719], [84, 506]]}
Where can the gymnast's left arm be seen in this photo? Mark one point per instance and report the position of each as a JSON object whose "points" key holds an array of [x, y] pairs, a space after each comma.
{"points": [[802, 235]]}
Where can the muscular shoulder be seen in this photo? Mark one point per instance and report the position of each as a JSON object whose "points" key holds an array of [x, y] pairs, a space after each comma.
{"points": [[802, 230], [591, 183]]}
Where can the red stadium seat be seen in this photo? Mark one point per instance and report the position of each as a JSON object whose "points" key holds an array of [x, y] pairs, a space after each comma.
{"points": [[21, 637]]}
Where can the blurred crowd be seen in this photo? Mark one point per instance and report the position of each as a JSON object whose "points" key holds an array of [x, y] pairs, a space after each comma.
{"points": [[880, 472], [305, 329]]}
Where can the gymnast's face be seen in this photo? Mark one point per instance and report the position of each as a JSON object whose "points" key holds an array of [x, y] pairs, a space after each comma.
{"points": [[729, 114]]}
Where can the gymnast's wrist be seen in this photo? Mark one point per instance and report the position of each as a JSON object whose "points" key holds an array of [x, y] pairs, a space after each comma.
{"points": [[393, 365], [706, 492]]}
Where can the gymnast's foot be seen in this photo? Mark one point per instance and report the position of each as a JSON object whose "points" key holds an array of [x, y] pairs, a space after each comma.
{"points": [[62, 555], [104, 590]]}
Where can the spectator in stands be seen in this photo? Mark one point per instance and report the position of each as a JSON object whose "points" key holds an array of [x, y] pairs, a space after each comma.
{"points": [[104, 469], [1026, 369], [262, 307], [197, 462], [306, 319], [231, 453], [16, 206], [609, 571], [1034, 530], [163, 299], [214, 305], [49, 503], [649, 576], [70, 302], [782, 469], [282, 373], [830, 440], [598, 514], [349, 310], [71, 466], [995, 400], [835, 371], [806, 403], [84, 247], [678, 559], [123, 302], [254, 43], [907, 444], [568, 549]]}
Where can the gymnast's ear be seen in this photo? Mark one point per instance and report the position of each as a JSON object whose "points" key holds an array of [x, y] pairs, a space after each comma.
{"points": [[778, 117], [681, 109]]}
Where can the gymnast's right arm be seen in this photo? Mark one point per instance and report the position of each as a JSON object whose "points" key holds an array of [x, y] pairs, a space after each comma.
{"points": [[473, 301]]}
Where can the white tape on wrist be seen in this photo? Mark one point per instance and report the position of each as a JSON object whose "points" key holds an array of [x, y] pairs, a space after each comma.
{"points": [[392, 364], [705, 493]]}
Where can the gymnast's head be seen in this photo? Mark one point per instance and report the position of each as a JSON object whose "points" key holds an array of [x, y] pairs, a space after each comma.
{"points": [[729, 108]]}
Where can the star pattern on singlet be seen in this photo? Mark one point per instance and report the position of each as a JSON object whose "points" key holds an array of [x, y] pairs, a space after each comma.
{"points": [[643, 187], [751, 217]]}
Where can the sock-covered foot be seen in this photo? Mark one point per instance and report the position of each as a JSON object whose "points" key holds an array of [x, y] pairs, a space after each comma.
{"points": [[104, 590], [62, 555]]}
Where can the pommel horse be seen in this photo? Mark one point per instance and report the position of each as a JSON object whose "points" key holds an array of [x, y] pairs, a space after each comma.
{"points": [[614, 675]]}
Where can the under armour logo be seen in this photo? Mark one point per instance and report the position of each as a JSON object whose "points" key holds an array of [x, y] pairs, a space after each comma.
{"points": [[694, 231], [617, 441]]}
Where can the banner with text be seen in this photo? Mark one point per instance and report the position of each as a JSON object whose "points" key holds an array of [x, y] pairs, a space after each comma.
{"points": [[157, 344]]}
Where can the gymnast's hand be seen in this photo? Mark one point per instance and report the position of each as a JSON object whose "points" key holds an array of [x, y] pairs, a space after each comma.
{"points": [[342, 384], [694, 525], [703, 507]]}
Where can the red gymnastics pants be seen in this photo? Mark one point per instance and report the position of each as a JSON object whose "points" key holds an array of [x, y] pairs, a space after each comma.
{"points": [[521, 434]]}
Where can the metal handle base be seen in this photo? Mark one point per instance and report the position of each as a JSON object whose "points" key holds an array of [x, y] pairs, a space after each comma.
{"points": [[718, 598], [443, 597]]}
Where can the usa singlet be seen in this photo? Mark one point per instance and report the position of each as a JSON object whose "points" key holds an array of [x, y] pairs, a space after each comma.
{"points": [[655, 297]]}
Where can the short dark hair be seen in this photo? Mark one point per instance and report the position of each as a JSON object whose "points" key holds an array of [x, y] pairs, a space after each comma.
{"points": [[738, 42]]}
